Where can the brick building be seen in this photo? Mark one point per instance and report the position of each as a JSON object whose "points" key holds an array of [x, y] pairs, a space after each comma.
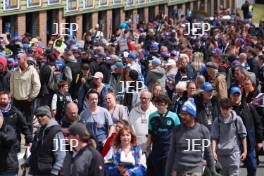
{"points": [[37, 17]]}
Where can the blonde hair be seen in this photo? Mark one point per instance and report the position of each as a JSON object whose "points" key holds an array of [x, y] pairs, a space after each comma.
{"points": [[198, 60]]}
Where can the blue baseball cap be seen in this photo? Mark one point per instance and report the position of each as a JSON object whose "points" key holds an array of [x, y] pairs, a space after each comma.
{"points": [[235, 90], [155, 46], [165, 54], [100, 54], [207, 87], [119, 65], [156, 61], [132, 56]]}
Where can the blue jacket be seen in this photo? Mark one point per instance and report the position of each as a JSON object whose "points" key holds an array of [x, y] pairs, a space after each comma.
{"points": [[113, 161]]}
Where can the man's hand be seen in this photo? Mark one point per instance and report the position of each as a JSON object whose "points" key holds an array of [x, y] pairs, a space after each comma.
{"points": [[259, 146], [215, 155], [243, 156], [29, 145], [1, 122], [30, 99]]}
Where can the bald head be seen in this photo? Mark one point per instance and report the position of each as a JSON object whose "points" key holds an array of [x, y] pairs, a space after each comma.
{"points": [[71, 111]]}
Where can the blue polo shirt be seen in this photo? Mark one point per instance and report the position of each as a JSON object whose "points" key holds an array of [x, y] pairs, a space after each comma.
{"points": [[160, 128]]}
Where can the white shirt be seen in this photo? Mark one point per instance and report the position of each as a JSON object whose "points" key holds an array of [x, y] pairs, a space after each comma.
{"points": [[138, 119]]}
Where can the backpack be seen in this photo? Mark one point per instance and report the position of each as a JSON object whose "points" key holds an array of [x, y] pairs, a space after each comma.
{"points": [[54, 79]]}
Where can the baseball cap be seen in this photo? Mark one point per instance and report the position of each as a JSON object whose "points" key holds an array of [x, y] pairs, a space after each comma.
{"points": [[156, 61], [132, 56], [119, 65], [155, 46], [98, 75], [165, 54], [125, 54], [212, 65], [235, 90], [175, 53], [100, 54], [207, 87]]}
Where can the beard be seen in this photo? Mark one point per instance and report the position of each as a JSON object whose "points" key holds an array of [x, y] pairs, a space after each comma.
{"points": [[3, 104]]}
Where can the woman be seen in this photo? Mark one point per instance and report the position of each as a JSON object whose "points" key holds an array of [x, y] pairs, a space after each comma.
{"points": [[60, 100], [125, 158], [198, 61], [191, 88], [117, 111]]}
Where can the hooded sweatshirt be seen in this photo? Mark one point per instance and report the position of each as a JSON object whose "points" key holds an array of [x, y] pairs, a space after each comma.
{"points": [[156, 75], [228, 132], [59, 152], [3, 61], [138, 120]]}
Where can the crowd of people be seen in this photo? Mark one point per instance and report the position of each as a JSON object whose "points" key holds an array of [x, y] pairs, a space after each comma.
{"points": [[149, 101]]}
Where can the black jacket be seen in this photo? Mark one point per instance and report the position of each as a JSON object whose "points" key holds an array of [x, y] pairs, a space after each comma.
{"points": [[8, 153], [202, 114], [252, 122], [16, 119], [5, 81], [88, 161]]}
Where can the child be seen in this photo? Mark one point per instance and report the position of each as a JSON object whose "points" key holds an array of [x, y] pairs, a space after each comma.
{"points": [[228, 132], [60, 100]]}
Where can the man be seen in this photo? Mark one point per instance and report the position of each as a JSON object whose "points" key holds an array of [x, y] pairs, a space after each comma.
{"points": [[24, 87], [117, 80], [239, 74], [207, 105], [228, 132], [183, 62], [160, 126], [48, 148], [46, 91], [131, 88], [117, 111], [71, 115], [216, 79], [100, 66], [156, 74], [82, 159], [14, 118], [8, 154], [253, 124], [139, 117], [72, 73], [84, 85], [133, 64], [182, 158], [98, 121], [245, 9]]}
